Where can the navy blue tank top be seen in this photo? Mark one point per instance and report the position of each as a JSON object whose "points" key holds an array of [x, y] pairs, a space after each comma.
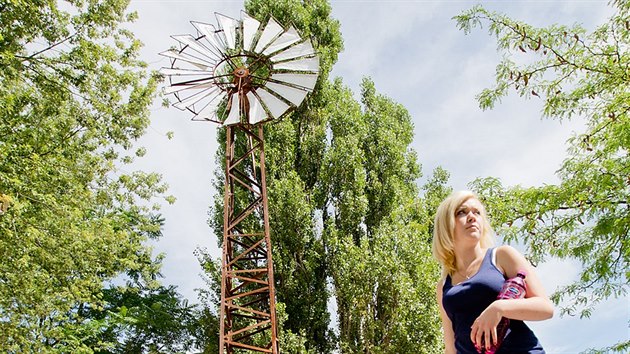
{"points": [[465, 301]]}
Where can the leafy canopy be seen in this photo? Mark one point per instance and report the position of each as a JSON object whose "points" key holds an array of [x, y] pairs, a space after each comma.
{"points": [[586, 216], [73, 99]]}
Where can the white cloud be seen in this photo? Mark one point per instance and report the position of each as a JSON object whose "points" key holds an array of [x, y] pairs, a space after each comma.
{"points": [[368, 37]]}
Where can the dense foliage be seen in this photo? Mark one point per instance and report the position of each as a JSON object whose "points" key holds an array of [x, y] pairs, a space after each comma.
{"points": [[73, 99], [137, 319], [586, 216]]}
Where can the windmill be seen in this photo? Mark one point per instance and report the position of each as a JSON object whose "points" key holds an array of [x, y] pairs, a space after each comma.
{"points": [[242, 74]]}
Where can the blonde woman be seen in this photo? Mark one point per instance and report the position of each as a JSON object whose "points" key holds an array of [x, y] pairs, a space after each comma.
{"points": [[473, 272]]}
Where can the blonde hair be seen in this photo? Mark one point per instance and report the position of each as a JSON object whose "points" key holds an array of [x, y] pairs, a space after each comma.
{"points": [[444, 226]]}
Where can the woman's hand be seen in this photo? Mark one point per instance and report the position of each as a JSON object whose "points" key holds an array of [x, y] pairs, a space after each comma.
{"points": [[484, 329]]}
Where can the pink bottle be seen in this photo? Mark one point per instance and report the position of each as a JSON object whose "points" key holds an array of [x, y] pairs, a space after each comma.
{"points": [[513, 288]]}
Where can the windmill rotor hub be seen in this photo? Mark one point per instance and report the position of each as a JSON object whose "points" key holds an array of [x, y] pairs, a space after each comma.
{"points": [[241, 72]]}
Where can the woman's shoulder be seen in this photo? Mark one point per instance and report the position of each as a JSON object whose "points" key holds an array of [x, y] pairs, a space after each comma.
{"points": [[507, 250], [509, 260]]}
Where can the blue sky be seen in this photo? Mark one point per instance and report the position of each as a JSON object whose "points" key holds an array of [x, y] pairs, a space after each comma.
{"points": [[414, 53]]}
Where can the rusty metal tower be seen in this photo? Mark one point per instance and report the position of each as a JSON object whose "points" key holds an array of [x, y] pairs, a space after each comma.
{"points": [[242, 74]]}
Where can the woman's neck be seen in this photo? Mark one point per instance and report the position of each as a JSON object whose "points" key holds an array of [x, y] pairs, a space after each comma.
{"points": [[465, 257]]}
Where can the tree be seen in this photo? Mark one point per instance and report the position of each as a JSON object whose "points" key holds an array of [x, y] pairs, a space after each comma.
{"points": [[137, 319], [346, 221], [586, 217], [376, 228], [74, 97]]}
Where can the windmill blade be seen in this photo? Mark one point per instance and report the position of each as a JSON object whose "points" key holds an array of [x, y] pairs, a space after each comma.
{"points": [[286, 39], [250, 28], [291, 94], [209, 32], [183, 87], [301, 81], [204, 79], [271, 31], [274, 105], [229, 26], [180, 72], [299, 50], [234, 116], [303, 64], [191, 100], [210, 110], [256, 112], [198, 62], [193, 44]]}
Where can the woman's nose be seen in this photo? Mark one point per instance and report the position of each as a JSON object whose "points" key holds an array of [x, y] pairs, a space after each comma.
{"points": [[471, 216]]}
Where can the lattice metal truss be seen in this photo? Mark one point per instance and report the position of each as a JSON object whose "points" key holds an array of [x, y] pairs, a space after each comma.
{"points": [[247, 280], [242, 74]]}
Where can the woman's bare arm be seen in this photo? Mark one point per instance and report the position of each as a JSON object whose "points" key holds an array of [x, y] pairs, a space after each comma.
{"points": [[536, 306]]}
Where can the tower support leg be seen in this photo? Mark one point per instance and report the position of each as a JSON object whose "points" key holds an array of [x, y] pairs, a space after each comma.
{"points": [[248, 316]]}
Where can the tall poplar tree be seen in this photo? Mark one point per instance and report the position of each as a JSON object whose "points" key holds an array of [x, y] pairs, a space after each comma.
{"points": [[73, 99], [376, 228], [586, 216]]}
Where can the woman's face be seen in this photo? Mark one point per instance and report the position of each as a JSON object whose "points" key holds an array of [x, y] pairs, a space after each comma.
{"points": [[468, 221]]}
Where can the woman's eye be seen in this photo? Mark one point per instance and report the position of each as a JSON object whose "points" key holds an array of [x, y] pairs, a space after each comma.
{"points": [[477, 212], [460, 212]]}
